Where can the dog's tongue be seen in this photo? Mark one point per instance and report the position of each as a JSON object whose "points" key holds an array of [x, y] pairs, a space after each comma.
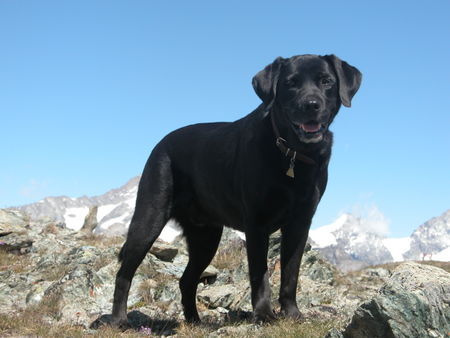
{"points": [[310, 127]]}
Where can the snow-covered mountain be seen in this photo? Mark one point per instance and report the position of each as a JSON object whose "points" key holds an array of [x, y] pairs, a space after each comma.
{"points": [[353, 242], [115, 208], [350, 242], [431, 240]]}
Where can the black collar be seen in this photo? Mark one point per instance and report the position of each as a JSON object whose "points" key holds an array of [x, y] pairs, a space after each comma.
{"points": [[287, 151]]}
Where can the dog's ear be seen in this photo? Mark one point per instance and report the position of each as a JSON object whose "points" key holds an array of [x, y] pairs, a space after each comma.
{"points": [[349, 78], [265, 82]]}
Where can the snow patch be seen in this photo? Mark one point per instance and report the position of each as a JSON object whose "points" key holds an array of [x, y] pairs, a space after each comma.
{"points": [[443, 255], [74, 217], [112, 221], [104, 210], [170, 232]]}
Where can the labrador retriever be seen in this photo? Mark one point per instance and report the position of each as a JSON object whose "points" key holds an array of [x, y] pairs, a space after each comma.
{"points": [[263, 172]]}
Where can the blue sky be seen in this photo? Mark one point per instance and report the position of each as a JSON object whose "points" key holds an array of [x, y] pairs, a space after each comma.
{"points": [[87, 88]]}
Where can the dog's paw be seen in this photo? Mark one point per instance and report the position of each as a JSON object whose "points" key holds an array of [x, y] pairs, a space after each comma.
{"points": [[292, 312], [268, 315]]}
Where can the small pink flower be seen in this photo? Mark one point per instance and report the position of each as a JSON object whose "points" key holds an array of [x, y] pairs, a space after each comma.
{"points": [[145, 330]]}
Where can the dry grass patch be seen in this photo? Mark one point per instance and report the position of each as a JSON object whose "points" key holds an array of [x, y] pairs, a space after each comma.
{"points": [[278, 329], [290, 328], [102, 241], [14, 263], [56, 272], [40, 320], [51, 228], [193, 331], [33, 320]]}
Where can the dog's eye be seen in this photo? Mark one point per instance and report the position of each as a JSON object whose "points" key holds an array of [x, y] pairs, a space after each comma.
{"points": [[291, 82], [326, 81]]}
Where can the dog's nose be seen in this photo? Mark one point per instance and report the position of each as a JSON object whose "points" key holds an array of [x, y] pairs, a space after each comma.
{"points": [[311, 105]]}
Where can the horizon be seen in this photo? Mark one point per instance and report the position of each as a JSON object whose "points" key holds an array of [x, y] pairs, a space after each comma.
{"points": [[89, 87]]}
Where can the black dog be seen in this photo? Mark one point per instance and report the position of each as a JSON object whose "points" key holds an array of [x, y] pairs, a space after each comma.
{"points": [[264, 172]]}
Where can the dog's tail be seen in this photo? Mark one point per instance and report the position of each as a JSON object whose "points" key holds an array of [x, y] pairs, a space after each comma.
{"points": [[121, 253], [153, 206]]}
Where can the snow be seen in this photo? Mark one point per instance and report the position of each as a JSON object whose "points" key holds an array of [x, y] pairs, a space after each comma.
{"points": [[443, 255], [120, 219], [131, 202], [74, 217], [170, 232], [397, 247], [323, 236], [104, 210]]}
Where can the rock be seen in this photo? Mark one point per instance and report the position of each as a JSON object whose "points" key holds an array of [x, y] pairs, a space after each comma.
{"points": [[218, 296], [377, 272], [163, 251], [90, 221], [414, 302], [36, 295], [316, 268], [12, 221], [235, 331], [209, 276], [72, 275], [334, 333], [18, 248], [274, 245]]}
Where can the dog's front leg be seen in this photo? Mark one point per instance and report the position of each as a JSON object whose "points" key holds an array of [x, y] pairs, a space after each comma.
{"points": [[293, 243], [257, 242]]}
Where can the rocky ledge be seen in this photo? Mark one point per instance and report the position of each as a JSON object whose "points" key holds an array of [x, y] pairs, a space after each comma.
{"points": [[55, 277]]}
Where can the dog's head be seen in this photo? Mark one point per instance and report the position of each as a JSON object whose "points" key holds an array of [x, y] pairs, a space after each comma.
{"points": [[306, 92]]}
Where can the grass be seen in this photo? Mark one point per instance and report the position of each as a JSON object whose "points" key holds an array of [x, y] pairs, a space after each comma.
{"points": [[50, 228], [33, 319], [56, 272], [39, 320], [278, 329], [14, 263], [102, 241]]}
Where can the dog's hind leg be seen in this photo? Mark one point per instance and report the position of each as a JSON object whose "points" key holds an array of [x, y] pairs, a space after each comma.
{"points": [[153, 210], [202, 245]]}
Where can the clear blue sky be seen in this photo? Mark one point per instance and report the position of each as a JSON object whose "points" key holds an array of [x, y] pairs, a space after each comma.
{"points": [[87, 88]]}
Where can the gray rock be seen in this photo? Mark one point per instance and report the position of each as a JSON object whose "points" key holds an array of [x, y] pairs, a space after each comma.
{"points": [[218, 296], [414, 302], [90, 221], [316, 268], [12, 221], [209, 276], [334, 333], [163, 251], [242, 330]]}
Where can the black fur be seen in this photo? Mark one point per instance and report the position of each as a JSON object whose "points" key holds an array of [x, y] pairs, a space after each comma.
{"points": [[209, 175]]}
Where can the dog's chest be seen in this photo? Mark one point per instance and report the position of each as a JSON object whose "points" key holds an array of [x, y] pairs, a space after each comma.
{"points": [[280, 204]]}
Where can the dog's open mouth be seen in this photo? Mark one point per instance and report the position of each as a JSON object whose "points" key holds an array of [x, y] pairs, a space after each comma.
{"points": [[311, 131], [311, 127]]}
